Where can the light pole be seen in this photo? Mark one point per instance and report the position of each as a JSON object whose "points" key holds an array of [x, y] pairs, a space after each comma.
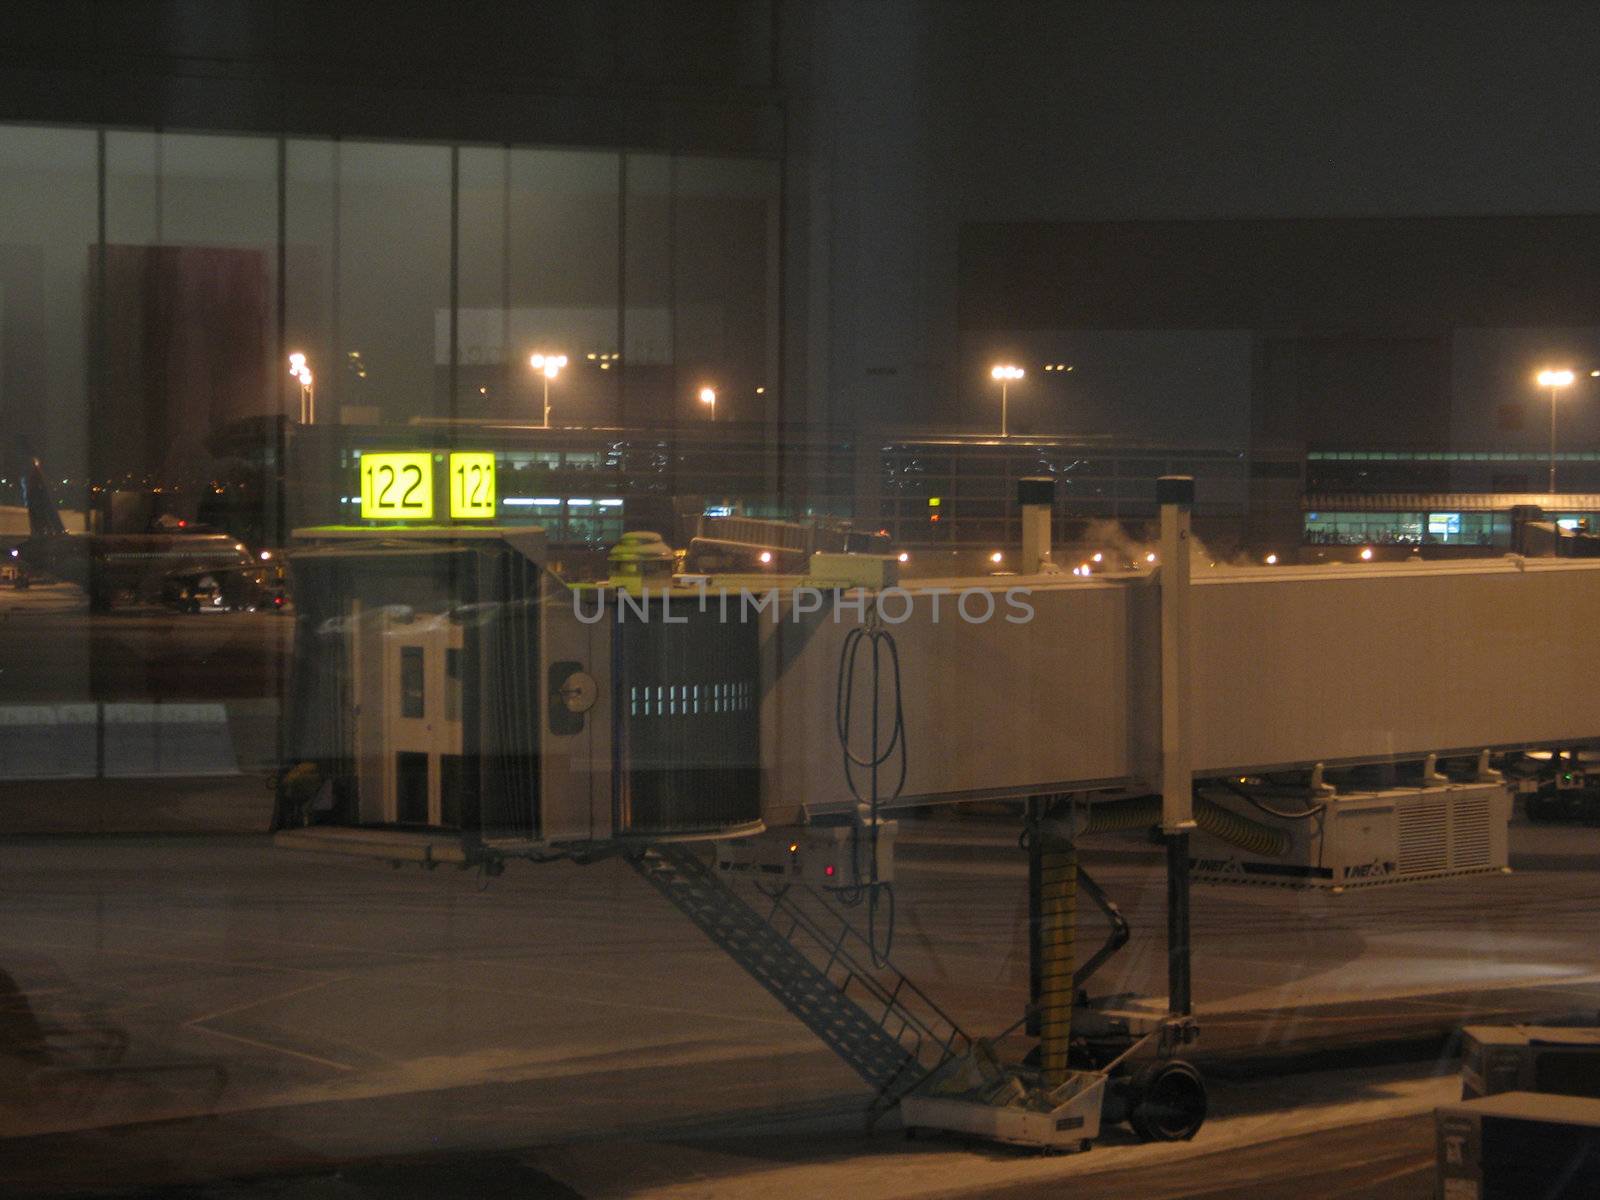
{"points": [[1555, 380], [708, 395], [549, 366], [1005, 373], [308, 397]]}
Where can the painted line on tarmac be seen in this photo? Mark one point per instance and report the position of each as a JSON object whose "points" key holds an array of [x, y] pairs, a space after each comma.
{"points": [[239, 1008], [1427, 1163], [68, 948], [234, 1037]]}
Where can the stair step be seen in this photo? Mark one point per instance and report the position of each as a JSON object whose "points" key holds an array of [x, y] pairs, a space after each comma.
{"points": [[808, 990]]}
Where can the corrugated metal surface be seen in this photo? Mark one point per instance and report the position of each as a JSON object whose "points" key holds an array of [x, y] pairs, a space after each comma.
{"points": [[1292, 666], [1367, 663]]}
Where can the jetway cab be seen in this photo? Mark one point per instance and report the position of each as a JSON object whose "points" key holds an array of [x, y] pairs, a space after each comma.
{"points": [[450, 704]]}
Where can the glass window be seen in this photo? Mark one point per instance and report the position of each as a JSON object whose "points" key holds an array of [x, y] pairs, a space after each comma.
{"points": [[368, 287], [702, 287], [191, 330], [539, 246]]}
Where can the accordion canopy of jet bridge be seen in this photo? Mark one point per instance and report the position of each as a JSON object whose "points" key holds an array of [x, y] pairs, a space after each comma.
{"points": [[1059, 688]]}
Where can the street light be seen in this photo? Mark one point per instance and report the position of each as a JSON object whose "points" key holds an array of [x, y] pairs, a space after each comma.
{"points": [[1005, 373], [1555, 380], [548, 365], [308, 398], [708, 395]]}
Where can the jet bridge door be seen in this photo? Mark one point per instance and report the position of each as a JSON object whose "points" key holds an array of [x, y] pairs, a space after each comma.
{"points": [[421, 763]]}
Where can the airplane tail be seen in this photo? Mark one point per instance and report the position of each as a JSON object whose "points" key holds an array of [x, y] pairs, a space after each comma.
{"points": [[43, 519]]}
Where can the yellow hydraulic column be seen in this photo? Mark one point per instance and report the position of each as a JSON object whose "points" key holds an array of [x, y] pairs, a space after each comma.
{"points": [[1058, 914]]}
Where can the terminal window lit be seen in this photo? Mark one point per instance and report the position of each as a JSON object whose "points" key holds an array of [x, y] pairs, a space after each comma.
{"points": [[397, 486], [472, 485]]}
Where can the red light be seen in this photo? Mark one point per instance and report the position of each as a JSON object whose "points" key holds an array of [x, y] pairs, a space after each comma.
{"points": [[183, 524], [933, 518], [828, 870]]}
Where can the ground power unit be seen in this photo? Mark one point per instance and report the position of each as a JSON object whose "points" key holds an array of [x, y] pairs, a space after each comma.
{"points": [[1563, 1060], [1517, 1146], [1365, 839]]}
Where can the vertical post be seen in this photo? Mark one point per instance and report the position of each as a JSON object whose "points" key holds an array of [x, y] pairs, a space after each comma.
{"points": [[1175, 494], [1553, 439], [1036, 497], [1036, 807], [1178, 979], [1003, 411]]}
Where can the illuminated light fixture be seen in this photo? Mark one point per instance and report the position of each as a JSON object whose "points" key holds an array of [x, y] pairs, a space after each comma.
{"points": [[605, 366], [1272, 560], [1150, 558], [1097, 557], [590, 356], [1005, 374], [546, 500], [611, 504], [765, 556], [308, 401], [708, 395], [761, 391], [1366, 554], [904, 557], [266, 556], [997, 557], [580, 503], [934, 501], [1555, 379], [548, 365]]}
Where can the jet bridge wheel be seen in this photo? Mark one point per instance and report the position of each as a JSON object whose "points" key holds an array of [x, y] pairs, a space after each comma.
{"points": [[1167, 1101]]}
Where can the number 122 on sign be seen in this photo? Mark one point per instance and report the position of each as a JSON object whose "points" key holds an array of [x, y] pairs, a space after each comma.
{"points": [[397, 486]]}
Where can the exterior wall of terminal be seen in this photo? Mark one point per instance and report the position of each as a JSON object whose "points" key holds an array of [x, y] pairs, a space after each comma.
{"points": [[783, 198]]}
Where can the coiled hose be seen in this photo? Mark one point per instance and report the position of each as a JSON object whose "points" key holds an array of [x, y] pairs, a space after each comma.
{"points": [[884, 665]]}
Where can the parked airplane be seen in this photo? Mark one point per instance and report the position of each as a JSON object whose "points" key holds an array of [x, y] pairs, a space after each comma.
{"points": [[187, 567]]}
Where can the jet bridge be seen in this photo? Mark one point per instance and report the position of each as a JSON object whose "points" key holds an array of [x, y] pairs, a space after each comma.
{"points": [[1290, 667], [453, 701]]}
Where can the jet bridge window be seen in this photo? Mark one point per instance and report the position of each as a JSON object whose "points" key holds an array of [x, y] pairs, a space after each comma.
{"points": [[412, 694]]}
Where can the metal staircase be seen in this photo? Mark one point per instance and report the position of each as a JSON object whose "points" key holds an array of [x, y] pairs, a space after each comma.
{"points": [[820, 969]]}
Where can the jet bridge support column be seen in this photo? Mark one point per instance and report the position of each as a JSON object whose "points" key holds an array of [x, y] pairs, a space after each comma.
{"points": [[1175, 494]]}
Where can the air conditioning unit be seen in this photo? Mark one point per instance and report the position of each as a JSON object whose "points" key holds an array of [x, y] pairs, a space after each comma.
{"points": [[1530, 1058], [1364, 839], [1518, 1145]]}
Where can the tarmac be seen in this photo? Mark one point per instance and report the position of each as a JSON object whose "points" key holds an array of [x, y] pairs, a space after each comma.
{"points": [[198, 1009]]}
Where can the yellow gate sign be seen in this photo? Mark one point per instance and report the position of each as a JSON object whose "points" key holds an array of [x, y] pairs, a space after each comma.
{"points": [[397, 487], [472, 486]]}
